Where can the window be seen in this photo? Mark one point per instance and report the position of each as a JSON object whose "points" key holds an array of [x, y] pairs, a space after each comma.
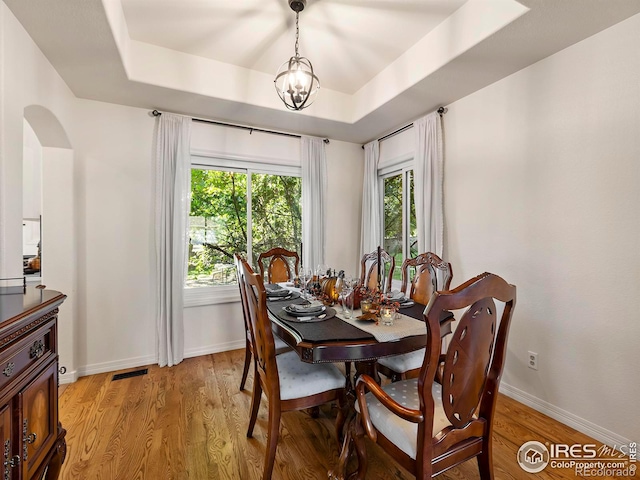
{"points": [[400, 235], [249, 210]]}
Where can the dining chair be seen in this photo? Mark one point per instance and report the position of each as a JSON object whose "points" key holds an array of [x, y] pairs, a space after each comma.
{"points": [[282, 265], [288, 383], [430, 427], [369, 270], [422, 276], [280, 344]]}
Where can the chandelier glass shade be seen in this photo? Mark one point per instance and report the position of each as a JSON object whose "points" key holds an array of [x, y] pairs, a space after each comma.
{"points": [[295, 82]]}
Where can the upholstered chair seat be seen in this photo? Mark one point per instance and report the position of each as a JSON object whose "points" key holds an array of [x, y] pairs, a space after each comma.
{"points": [[405, 362], [299, 379], [401, 433]]}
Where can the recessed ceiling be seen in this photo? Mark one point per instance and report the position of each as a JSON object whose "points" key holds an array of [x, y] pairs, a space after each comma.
{"points": [[348, 42], [381, 63]]}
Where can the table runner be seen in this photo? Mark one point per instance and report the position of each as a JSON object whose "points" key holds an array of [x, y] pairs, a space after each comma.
{"points": [[338, 328], [402, 327]]}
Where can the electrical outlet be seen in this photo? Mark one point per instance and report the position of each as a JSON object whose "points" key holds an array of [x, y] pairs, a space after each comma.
{"points": [[533, 360]]}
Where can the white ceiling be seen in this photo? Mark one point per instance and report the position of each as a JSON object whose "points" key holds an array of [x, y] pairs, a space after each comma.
{"points": [[381, 63], [349, 42]]}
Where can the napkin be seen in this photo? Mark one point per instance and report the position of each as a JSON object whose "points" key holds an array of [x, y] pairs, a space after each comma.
{"points": [[396, 296], [274, 290], [306, 309]]}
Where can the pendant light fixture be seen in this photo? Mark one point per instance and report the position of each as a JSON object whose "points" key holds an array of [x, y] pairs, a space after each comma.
{"points": [[295, 81]]}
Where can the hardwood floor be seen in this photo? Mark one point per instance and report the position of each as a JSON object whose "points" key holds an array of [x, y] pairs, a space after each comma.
{"points": [[190, 422]]}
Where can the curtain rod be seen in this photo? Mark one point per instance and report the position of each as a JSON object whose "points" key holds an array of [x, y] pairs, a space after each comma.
{"points": [[441, 111], [156, 113]]}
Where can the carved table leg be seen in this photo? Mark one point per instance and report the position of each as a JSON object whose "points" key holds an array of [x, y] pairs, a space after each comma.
{"points": [[60, 448], [340, 473], [350, 429]]}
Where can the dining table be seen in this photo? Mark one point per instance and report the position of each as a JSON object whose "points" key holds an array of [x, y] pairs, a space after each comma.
{"points": [[338, 339]]}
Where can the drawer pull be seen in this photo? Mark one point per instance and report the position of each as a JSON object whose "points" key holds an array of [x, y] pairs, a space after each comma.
{"points": [[37, 349], [8, 370], [31, 438]]}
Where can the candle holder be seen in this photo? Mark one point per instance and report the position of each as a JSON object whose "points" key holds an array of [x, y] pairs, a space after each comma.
{"points": [[387, 315]]}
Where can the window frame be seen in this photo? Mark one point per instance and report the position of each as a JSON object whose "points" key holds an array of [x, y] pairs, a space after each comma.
{"points": [[217, 294], [404, 168]]}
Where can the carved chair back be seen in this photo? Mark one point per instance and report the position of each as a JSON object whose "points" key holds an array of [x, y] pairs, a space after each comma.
{"points": [[369, 270], [473, 366], [264, 351], [245, 316], [424, 275], [282, 265]]}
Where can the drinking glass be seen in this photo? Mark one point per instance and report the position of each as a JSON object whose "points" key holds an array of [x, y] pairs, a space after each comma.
{"points": [[321, 270], [347, 302], [305, 278]]}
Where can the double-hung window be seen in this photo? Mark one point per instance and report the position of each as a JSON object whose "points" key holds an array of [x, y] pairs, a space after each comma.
{"points": [[399, 214], [237, 206]]}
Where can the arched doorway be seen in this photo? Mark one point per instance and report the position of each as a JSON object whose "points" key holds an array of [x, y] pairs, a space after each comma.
{"points": [[58, 228]]}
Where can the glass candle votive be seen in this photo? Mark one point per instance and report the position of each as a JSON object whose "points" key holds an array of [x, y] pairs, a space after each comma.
{"points": [[365, 305], [386, 315]]}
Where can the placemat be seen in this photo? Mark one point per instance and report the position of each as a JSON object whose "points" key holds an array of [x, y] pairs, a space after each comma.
{"points": [[332, 329]]}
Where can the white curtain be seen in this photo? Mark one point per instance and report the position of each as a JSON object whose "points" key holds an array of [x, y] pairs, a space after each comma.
{"points": [[428, 180], [314, 192], [371, 234], [172, 190]]}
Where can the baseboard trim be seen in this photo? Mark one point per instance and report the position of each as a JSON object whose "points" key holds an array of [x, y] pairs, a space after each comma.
{"points": [[107, 367], [584, 426], [68, 377], [217, 348]]}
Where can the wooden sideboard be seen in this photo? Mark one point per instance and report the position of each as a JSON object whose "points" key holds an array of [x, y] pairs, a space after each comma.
{"points": [[33, 442]]}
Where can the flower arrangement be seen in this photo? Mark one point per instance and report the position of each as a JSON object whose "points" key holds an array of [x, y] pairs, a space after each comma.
{"points": [[372, 300]]}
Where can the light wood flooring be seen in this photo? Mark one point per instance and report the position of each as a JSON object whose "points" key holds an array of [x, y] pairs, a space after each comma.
{"points": [[190, 421]]}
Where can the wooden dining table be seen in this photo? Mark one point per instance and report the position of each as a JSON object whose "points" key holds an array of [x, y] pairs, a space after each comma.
{"points": [[335, 340]]}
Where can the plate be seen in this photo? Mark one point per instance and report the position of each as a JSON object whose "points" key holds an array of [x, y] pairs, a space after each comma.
{"points": [[289, 296], [300, 311]]}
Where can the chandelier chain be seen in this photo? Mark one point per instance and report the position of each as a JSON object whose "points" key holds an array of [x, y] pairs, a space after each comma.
{"points": [[297, 33]]}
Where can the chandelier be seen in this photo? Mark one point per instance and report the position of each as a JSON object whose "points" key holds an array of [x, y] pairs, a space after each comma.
{"points": [[295, 81]]}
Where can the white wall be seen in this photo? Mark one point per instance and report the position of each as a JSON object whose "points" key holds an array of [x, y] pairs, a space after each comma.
{"points": [[542, 174], [541, 187]]}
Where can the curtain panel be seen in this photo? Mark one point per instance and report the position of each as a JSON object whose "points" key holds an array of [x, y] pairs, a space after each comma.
{"points": [[314, 192], [172, 164], [428, 183], [372, 212]]}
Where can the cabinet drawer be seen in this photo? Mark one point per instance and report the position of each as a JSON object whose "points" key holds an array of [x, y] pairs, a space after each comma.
{"points": [[24, 354]]}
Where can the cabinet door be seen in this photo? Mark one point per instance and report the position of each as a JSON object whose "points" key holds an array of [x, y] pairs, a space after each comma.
{"points": [[5, 436], [38, 418]]}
